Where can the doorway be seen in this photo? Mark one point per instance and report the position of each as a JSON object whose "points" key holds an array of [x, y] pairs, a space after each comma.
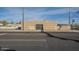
{"points": [[39, 27]]}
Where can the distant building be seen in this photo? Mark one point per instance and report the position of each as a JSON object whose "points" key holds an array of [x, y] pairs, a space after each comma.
{"points": [[1, 23], [46, 26]]}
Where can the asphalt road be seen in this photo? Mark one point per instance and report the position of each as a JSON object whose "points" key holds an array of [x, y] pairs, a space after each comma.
{"points": [[20, 41]]}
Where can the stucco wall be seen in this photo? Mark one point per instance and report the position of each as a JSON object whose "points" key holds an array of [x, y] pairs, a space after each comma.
{"points": [[65, 28], [48, 26]]}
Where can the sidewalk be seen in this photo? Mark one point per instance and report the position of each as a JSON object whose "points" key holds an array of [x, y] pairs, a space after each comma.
{"points": [[13, 31], [74, 30]]}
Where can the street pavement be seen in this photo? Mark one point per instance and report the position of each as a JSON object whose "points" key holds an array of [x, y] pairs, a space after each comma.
{"points": [[63, 41], [36, 41]]}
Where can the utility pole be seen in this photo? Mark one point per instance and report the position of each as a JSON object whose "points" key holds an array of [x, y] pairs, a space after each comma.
{"points": [[23, 18], [73, 23], [69, 16]]}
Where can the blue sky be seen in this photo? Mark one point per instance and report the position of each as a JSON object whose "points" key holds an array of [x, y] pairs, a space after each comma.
{"points": [[58, 14]]}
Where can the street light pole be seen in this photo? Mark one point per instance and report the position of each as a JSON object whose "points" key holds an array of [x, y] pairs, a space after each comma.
{"points": [[23, 18]]}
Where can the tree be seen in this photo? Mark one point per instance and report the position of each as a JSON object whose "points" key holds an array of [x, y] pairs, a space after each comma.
{"points": [[18, 22], [4, 22]]}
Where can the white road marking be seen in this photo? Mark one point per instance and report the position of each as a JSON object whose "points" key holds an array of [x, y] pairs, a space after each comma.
{"points": [[23, 40], [26, 34], [4, 48], [3, 33]]}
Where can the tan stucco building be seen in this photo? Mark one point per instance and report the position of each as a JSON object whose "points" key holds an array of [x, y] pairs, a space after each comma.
{"points": [[46, 26]]}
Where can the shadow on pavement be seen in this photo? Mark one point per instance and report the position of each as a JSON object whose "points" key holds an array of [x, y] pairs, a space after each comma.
{"points": [[9, 50], [61, 37]]}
